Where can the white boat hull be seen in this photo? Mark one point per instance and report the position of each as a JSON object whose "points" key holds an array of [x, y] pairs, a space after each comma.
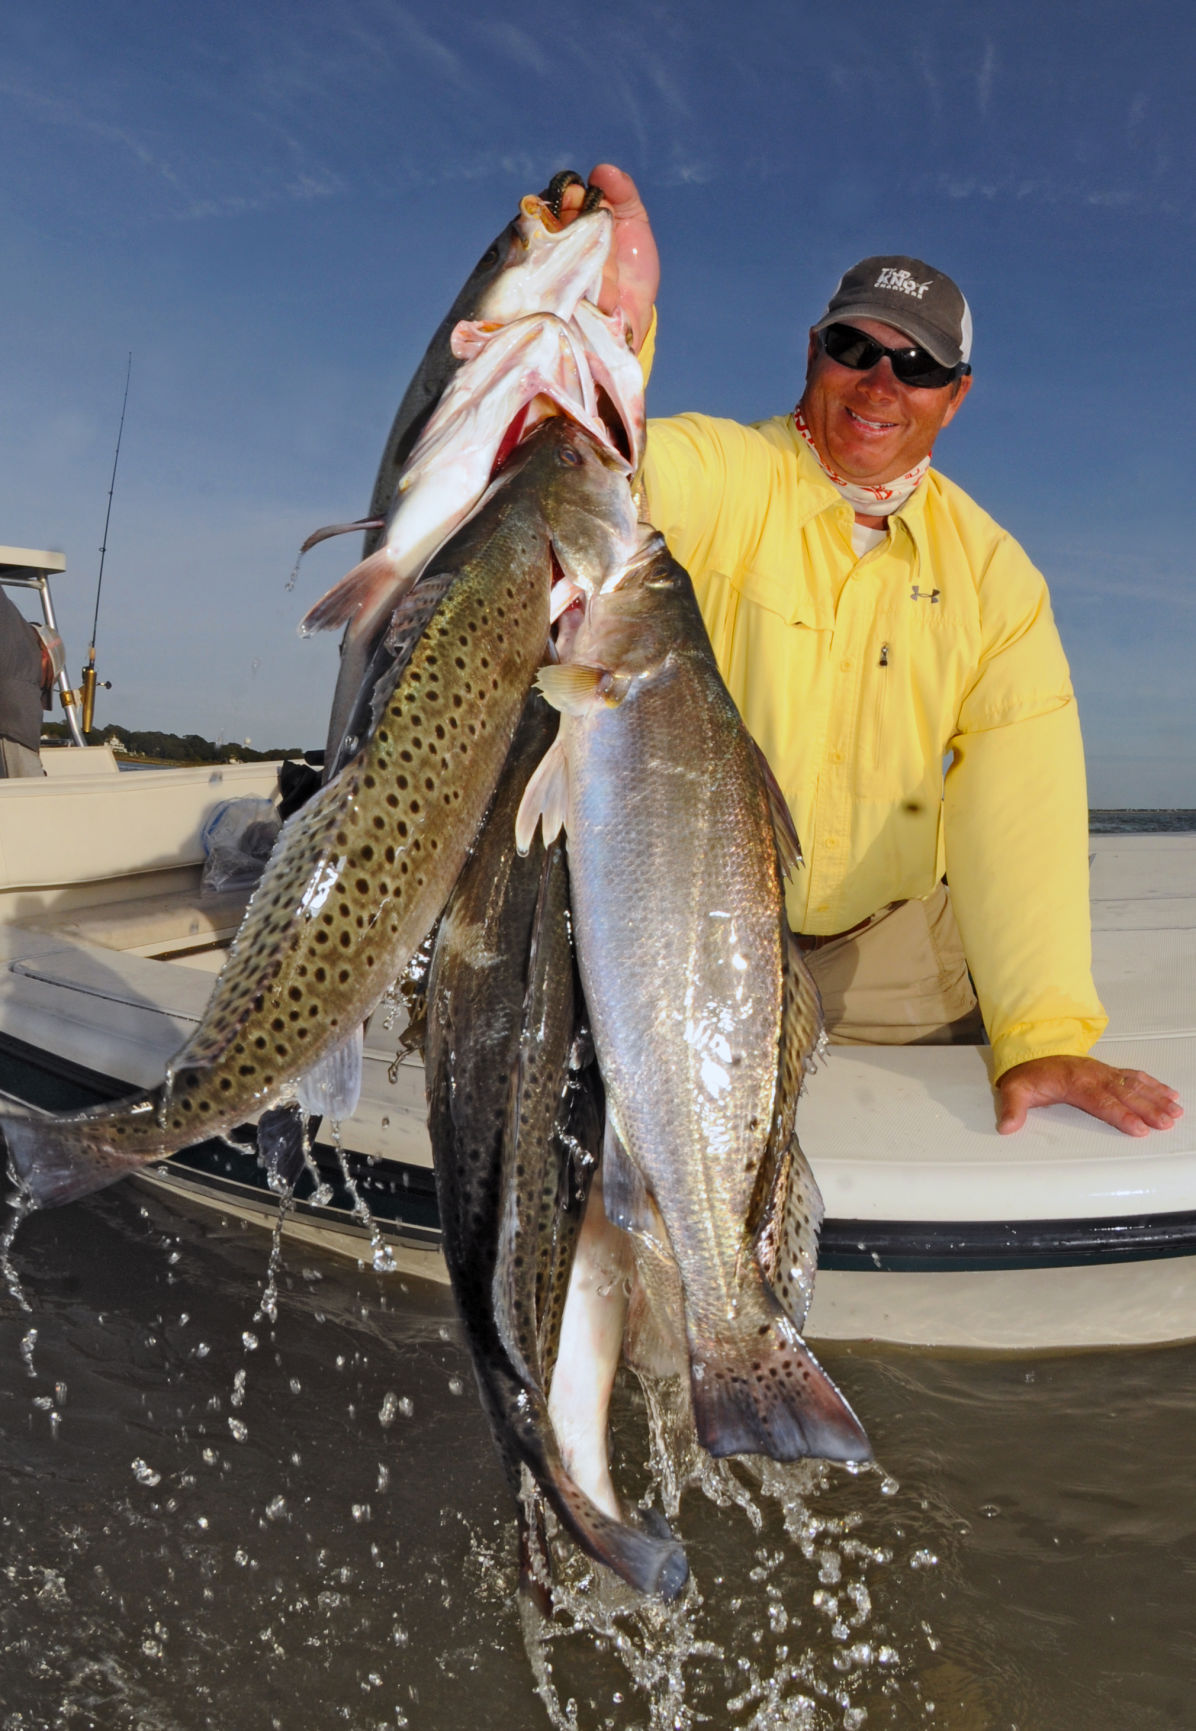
{"points": [[938, 1232]]}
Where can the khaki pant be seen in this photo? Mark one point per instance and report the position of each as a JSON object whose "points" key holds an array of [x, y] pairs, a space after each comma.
{"points": [[900, 979]]}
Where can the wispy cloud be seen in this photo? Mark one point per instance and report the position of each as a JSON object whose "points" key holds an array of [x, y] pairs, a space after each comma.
{"points": [[57, 111], [985, 77], [517, 45]]}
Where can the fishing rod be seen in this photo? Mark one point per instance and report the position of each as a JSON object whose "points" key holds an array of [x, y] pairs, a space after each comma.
{"points": [[89, 672]]}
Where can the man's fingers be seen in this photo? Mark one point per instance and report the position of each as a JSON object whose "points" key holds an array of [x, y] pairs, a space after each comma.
{"points": [[1129, 1100]]}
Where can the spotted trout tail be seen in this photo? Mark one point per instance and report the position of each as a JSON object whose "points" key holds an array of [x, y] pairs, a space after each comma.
{"points": [[769, 1395], [653, 1563], [57, 1160]]}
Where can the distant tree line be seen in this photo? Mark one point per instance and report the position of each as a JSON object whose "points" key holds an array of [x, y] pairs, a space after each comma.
{"points": [[169, 747]]}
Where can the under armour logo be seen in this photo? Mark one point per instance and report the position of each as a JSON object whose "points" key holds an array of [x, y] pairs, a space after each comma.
{"points": [[917, 594]]}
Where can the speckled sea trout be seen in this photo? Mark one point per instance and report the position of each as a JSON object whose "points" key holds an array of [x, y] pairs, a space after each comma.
{"points": [[533, 266], [703, 1015], [360, 874], [514, 1136]]}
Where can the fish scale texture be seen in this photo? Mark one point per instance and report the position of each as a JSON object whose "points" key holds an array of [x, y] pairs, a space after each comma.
{"points": [[358, 876], [677, 904], [701, 1022]]}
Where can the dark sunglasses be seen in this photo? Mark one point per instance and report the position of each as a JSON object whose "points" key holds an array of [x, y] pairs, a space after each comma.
{"points": [[913, 366]]}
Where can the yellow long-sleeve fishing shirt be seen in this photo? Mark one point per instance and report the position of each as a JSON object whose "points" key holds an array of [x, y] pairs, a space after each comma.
{"points": [[861, 677]]}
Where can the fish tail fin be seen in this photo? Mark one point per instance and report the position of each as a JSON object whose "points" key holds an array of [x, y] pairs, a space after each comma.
{"points": [[651, 1561], [654, 1563], [58, 1160], [769, 1395]]}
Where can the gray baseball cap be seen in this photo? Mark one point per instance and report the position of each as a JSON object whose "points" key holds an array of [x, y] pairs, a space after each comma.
{"points": [[911, 296]]}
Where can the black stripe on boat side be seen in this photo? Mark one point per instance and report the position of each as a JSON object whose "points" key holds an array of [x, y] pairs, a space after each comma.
{"points": [[399, 1196], [941, 1246]]}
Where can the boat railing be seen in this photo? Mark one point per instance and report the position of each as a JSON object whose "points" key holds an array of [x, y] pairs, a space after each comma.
{"points": [[30, 568]]}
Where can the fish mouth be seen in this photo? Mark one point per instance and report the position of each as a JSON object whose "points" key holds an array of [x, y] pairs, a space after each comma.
{"points": [[535, 209]]}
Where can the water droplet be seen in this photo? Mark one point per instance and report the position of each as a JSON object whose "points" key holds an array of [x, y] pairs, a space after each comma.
{"points": [[384, 1260], [296, 1385], [202, 1350], [249, 1341], [362, 1512], [240, 1431], [455, 1385], [923, 1560], [210, 1457], [145, 1474], [276, 1508]]}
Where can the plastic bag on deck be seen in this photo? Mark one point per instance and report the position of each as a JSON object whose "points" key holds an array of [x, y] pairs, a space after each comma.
{"points": [[237, 841]]}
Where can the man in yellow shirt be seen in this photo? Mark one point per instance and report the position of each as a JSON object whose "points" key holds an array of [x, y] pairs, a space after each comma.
{"points": [[872, 623]]}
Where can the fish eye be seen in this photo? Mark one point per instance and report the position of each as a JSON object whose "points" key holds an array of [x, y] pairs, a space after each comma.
{"points": [[489, 257], [571, 455]]}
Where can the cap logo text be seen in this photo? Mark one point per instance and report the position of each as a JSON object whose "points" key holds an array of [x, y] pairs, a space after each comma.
{"points": [[902, 280]]}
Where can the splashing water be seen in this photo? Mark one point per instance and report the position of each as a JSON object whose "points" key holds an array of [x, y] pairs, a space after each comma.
{"points": [[776, 1630]]}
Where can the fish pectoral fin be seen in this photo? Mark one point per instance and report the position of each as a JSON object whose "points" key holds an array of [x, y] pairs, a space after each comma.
{"points": [[361, 590], [332, 1087], [573, 687], [789, 851], [767, 1394], [545, 799]]}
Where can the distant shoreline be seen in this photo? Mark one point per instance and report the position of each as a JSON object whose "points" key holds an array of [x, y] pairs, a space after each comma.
{"points": [[1141, 820]]}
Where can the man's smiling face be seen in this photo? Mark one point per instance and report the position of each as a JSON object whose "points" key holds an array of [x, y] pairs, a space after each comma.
{"points": [[868, 426]]}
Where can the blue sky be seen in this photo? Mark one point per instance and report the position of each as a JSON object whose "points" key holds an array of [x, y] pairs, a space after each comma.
{"points": [[271, 206]]}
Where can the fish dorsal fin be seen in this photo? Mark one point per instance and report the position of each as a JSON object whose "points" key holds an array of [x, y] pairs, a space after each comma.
{"points": [[358, 591], [787, 1210], [386, 665], [546, 798], [332, 1087], [787, 1246], [789, 852]]}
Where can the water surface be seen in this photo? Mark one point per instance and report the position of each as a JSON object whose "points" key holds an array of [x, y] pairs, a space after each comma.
{"points": [[213, 1519]]}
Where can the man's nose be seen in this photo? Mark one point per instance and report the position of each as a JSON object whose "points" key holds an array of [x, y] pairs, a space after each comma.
{"points": [[880, 380]]}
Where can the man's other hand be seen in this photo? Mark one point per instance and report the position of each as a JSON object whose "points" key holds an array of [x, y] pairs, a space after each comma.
{"points": [[632, 274], [1130, 1100]]}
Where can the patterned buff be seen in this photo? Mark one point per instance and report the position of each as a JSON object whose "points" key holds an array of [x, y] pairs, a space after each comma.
{"points": [[878, 501]]}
